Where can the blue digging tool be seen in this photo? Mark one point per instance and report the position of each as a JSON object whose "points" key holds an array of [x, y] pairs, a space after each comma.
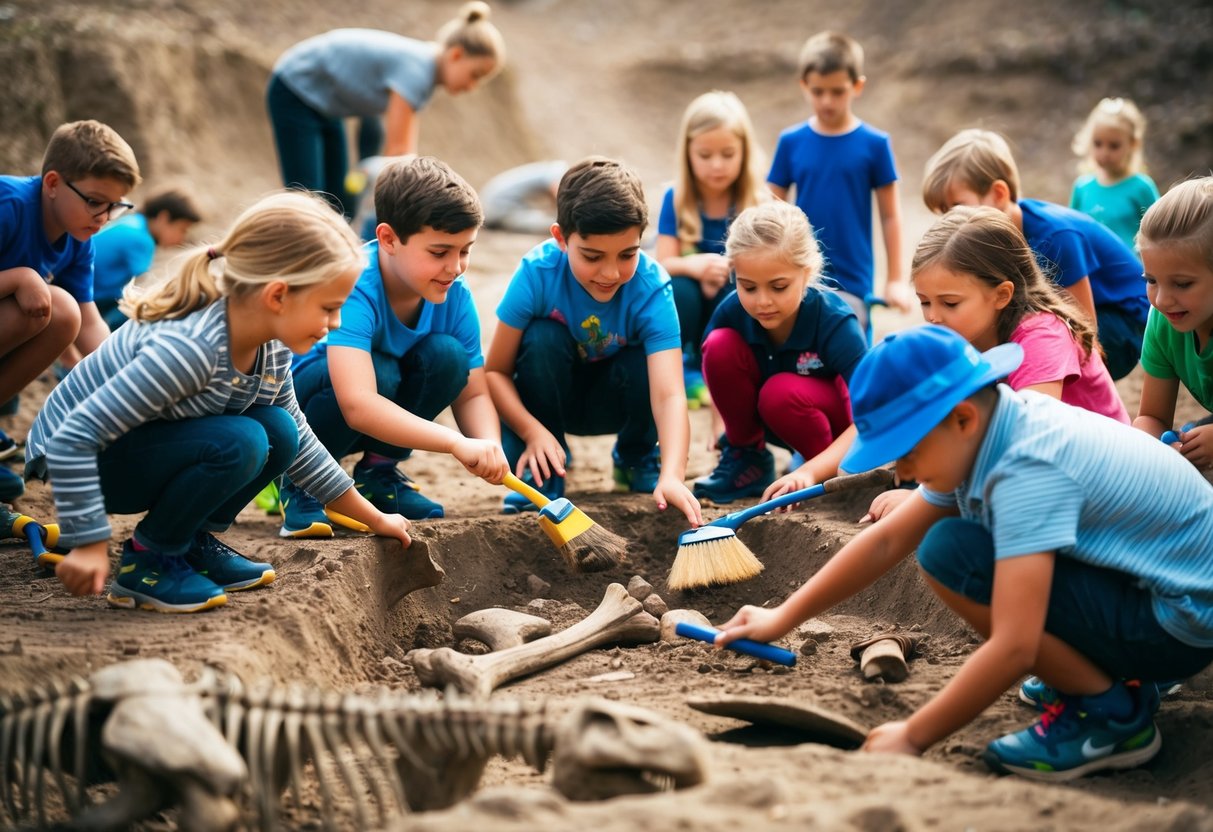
{"points": [[757, 649]]}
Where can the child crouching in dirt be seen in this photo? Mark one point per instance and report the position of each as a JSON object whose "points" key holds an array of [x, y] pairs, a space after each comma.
{"points": [[188, 411], [1113, 582]]}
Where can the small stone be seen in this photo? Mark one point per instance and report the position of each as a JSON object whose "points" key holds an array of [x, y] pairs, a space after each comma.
{"points": [[333, 565], [817, 630], [456, 600], [780, 670], [639, 588], [616, 662], [318, 592], [537, 586], [809, 648], [870, 696], [704, 667], [655, 606]]}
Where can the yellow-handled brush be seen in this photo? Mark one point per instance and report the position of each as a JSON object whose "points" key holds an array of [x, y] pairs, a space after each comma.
{"points": [[584, 545]]}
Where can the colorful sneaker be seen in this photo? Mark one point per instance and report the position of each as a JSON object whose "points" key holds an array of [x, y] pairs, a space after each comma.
{"points": [[392, 492], [302, 514], [8, 446], [1073, 739], [165, 583], [11, 485], [214, 559], [741, 472], [636, 475], [553, 489], [697, 389], [1036, 693]]}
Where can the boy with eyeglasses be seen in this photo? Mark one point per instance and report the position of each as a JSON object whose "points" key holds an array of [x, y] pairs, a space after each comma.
{"points": [[46, 256]]}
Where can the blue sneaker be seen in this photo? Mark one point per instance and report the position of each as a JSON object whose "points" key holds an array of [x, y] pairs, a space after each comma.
{"points": [[1073, 739], [390, 491], [214, 559], [8, 446], [697, 389], [741, 472], [553, 489], [11, 485], [636, 475], [10, 407], [1036, 693], [302, 514], [164, 583]]}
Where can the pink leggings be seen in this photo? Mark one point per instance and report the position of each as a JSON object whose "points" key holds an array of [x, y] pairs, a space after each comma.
{"points": [[804, 413]]}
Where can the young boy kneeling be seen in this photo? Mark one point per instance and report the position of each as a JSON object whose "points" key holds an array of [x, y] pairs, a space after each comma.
{"points": [[1078, 547]]}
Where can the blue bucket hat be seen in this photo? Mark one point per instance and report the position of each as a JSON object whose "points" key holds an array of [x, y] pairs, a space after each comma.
{"points": [[909, 382]]}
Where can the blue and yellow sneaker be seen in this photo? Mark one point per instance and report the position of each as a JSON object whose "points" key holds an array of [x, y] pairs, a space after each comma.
{"points": [[11, 485], [1073, 738], [302, 514], [636, 475], [742, 472], [515, 503], [1036, 693], [214, 559], [148, 580], [390, 491]]}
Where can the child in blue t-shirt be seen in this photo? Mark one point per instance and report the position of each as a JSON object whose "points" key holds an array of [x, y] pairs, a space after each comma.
{"points": [[408, 347], [587, 343], [46, 256], [836, 161], [777, 356], [1101, 273], [1077, 547]]}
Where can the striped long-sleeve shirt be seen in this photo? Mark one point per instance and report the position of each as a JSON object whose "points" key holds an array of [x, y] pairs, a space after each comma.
{"points": [[172, 369]]}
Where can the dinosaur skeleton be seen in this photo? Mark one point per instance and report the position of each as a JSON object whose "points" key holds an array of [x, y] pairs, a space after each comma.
{"points": [[211, 746]]}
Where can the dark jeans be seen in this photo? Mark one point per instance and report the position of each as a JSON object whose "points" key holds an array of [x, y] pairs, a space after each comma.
{"points": [[586, 398], [110, 313], [694, 311], [424, 382], [1120, 334], [1103, 614], [194, 475], [312, 153]]}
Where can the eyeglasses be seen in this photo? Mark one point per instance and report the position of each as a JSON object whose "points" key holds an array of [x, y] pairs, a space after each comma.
{"points": [[98, 209]]}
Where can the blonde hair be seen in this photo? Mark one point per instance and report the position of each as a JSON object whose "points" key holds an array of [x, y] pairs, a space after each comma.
{"points": [[983, 242], [472, 32], [1120, 114], [80, 149], [1182, 218], [289, 236], [973, 158], [708, 112], [776, 229]]}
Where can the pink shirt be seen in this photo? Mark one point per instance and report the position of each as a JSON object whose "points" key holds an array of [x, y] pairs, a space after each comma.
{"points": [[1050, 353]]}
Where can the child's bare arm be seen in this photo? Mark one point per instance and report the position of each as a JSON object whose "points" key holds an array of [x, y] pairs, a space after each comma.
{"points": [[399, 126], [1080, 293], [818, 469], [93, 329], [354, 505], [704, 267], [667, 396], [897, 291], [1156, 409], [28, 289], [84, 570], [543, 452], [478, 421]]}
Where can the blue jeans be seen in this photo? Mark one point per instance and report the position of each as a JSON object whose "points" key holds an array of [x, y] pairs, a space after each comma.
{"points": [[586, 398], [1121, 335], [1104, 614], [194, 475], [694, 311], [424, 382], [312, 153]]}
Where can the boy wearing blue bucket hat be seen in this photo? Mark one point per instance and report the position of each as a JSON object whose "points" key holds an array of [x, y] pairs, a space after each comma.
{"points": [[1077, 547]]}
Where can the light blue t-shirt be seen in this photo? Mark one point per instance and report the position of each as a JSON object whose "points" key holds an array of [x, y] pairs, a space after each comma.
{"points": [[641, 312], [1119, 206], [349, 72], [834, 178], [66, 262], [123, 250], [713, 230], [1054, 478], [368, 322]]}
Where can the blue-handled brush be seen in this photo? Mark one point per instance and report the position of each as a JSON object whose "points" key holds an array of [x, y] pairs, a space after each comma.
{"points": [[712, 554], [757, 649]]}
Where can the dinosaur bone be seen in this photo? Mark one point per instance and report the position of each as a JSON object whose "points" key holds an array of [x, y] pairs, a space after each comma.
{"points": [[618, 618], [501, 628], [885, 655]]}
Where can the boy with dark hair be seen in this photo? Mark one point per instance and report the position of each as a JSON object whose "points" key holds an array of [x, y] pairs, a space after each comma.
{"points": [[408, 347], [46, 256], [587, 342]]}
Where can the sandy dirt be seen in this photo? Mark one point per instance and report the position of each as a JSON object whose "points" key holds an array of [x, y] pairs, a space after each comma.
{"points": [[184, 80]]}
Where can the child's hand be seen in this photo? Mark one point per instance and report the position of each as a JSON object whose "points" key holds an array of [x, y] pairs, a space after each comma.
{"points": [[897, 295], [885, 503], [757, 623], [798, 479], [483, 458], [33, 297], [673, 492], [714, 276], [543, 456], [392, 525], [891, 738], [1197, 446], [84, 570]]}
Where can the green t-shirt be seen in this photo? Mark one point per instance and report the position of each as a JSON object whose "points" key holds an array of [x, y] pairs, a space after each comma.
{"points": [[1166, 353]]}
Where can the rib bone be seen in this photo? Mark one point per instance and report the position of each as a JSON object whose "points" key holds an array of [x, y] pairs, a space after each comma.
{"points": [[618, 618]]}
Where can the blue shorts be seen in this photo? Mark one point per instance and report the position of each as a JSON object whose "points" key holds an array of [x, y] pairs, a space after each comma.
{"points": [[1104, 614]]}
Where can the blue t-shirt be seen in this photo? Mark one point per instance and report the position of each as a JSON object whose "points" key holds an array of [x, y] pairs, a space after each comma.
{"points": [[826, 340], [834, 178], [349, 72], [123, 250], [66, 262], [368, 322], [1054, 478], [641, 312], [713, 229], [1070, 246]]}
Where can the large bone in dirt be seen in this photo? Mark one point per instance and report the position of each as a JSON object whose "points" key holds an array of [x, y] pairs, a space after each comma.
{"points": [[501, 629], [618, 618]]}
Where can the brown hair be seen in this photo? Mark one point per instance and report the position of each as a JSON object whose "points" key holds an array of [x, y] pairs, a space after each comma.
{"points": [[472, 32], [600, 196], [973, 158], [1182, 218], [414, 192], [178, 202], [80, 149], [985, 243], [828, 52]]}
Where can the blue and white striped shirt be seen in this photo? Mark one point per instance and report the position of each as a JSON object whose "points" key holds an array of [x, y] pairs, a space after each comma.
{"points": [[1054, 478], [171, 369]]}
